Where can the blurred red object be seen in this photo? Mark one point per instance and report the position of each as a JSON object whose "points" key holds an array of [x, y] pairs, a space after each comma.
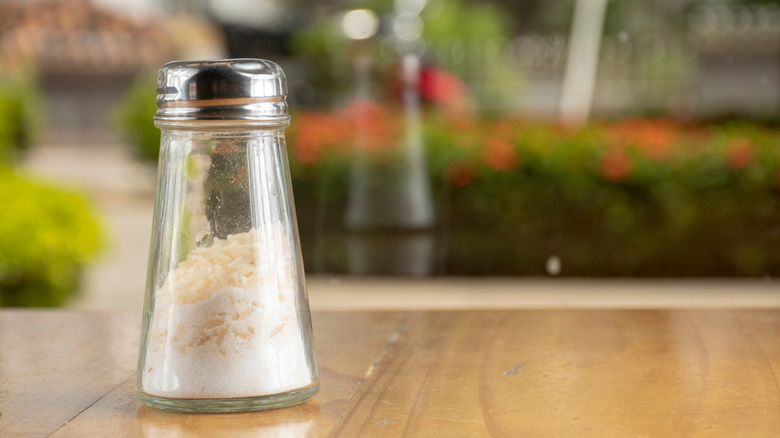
{"points": [[436, 87], [441, 87]]}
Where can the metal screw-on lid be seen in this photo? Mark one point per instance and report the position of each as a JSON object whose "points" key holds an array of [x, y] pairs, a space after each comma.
{"points": [[223, 90]]}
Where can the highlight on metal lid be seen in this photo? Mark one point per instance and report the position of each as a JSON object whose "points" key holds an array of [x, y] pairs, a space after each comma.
{"points": [[228, 89]]}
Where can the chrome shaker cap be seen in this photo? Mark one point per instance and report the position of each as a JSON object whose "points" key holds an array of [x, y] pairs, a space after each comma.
{"points": [[223, 90]]}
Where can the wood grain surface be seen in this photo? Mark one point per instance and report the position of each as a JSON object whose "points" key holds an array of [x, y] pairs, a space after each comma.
{"points": [[514, 373]]}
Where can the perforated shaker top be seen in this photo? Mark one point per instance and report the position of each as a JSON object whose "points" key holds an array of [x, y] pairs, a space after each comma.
{"points": [[229, 89]]}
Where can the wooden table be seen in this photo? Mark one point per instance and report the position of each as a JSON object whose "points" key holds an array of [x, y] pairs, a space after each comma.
{"points": [[622, 373]]}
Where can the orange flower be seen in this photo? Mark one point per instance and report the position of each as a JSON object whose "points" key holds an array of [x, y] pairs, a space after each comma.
{"points": [[316, 134], [500, 155], [654, 137], [616, 165], [460, 173], [504, 129], [375, 127], [740, 153]]}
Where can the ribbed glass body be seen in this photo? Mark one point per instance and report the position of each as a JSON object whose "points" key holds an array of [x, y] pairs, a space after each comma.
{"points": [[226, 324]]}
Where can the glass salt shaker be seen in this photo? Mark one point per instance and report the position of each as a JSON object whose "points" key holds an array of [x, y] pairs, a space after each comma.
{"points": [[226, 324]]}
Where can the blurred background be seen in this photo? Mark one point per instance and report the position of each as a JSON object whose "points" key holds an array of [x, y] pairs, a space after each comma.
{"points": [[430, 138]]}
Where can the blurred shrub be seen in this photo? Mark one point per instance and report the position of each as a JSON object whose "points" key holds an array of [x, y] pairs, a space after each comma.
{"points": [[134, 119], [20, 117], [47, 235], [645, 197]]}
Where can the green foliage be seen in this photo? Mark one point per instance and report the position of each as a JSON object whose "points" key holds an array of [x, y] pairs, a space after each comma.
{"points": [[20, 117], [134, 119], [447, 19], [323, 47], [47, 235]]}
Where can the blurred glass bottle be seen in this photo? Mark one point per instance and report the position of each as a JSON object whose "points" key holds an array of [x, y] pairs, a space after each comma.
{"points": [[390, 214]]}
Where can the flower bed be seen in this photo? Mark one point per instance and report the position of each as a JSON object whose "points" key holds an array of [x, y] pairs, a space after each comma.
{"points": [[643, 197]]}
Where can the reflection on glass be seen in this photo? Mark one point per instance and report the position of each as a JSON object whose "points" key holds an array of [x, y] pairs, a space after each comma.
{"points": [[298, 422]]}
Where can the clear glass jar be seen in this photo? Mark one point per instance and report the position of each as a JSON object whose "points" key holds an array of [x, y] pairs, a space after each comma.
{"points": [[226, 324]]}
